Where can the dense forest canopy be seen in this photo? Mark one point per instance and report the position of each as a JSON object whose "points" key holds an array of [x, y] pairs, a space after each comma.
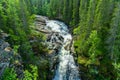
{"points": [[95, 25]]}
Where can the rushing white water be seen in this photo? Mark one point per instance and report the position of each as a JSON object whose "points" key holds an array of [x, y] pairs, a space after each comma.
{"points": [[66, 69]]}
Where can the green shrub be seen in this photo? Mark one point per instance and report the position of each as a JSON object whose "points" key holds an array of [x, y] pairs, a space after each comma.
{"points": [[31, 75], [9, 74]]}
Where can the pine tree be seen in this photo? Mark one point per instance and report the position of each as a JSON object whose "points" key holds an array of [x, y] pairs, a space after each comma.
{"points": [[3, 16], [53, 8], [114, 38], [65, 10], [24, 15], [81, 30], [115, 34], [90, 16], [75, 11]]}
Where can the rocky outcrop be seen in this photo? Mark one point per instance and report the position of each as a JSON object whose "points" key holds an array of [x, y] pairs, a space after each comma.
{"points": [[40, 18], [40, 23], [8, 59], [40, 27], [54, 40]]}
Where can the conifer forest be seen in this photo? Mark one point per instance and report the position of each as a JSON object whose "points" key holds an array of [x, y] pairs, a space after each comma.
{"points": [[59, 39]]}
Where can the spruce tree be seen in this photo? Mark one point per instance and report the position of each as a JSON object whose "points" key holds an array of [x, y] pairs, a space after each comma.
{"points": [[75, 13]]}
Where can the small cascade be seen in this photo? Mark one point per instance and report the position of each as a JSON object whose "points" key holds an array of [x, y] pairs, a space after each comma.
{"points": [[66, 68]]}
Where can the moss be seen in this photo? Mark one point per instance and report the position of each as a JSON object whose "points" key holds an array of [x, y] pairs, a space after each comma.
{"points": [[87, 61], [82, 60]]}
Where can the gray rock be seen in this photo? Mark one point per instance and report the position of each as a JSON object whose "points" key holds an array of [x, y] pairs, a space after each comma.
{"points": [[41, 18], [7, 58], [4, 45]]}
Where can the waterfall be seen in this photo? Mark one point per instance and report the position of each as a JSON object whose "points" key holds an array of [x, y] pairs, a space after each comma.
{"points": [[66, 68]]}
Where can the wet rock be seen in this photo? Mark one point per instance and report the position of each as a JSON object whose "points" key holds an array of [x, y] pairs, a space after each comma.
{"points": [[61, 38], [41, 18], [53, 58], [40, 24], [72, 47], [67, 47], [51, 51], [1, 41]]}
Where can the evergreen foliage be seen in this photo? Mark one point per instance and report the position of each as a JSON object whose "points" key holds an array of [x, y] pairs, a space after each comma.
{"points": [[95, 25]]}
